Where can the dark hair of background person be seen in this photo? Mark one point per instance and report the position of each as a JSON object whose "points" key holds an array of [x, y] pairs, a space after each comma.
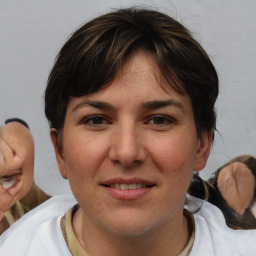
{"points": [[15, 119], [209, 191]]}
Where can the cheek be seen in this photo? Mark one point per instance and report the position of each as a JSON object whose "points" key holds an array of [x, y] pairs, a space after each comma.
{"points": [[174, 155], [83, 156]]}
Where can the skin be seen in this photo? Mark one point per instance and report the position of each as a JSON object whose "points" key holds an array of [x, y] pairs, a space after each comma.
{"points": [[16, 163], [131, 140], [236, 184]]}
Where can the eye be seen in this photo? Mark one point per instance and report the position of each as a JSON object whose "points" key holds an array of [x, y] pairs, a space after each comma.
{"points": [[161, 120], [95, 120]]}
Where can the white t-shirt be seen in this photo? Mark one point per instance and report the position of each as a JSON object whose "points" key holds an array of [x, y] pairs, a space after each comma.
{"points": [[39, 233]]}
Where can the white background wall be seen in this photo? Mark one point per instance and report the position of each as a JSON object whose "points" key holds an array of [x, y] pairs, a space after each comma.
{"points": [[32, 32]]}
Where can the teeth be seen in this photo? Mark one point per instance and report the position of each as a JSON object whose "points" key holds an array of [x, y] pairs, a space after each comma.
{"points": [[132, 186], [127, 186], [115, 186], [124, 186], [7, 184]]}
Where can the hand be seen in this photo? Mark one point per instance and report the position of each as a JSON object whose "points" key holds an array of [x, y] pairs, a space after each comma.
{"points": [[7, 194], [16, 160], [6, 201], [236, 184]]}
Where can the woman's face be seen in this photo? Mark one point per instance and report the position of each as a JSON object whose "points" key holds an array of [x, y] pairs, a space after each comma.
{"points": [[129, 151]]}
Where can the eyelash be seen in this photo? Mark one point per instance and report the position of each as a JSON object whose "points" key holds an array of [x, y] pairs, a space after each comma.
{"points": [[101, 120], [88, 119], [167, 120]]}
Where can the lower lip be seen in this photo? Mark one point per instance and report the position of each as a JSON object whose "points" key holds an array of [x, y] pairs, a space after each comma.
{"points": [[128, 194]]}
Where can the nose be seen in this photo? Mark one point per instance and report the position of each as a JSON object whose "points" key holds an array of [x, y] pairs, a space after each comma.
{"points": [[127, 146]]}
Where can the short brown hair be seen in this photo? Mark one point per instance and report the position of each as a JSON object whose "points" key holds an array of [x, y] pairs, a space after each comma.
{"points": [[92, 56]]}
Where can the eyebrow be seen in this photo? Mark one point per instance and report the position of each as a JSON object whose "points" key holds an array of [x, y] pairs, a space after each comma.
{"points": [[95, 104], [160, 104], [156, 104]]}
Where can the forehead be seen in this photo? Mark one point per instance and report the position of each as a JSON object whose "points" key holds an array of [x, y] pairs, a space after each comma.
{"points": [[141, 66], [137, 84]]}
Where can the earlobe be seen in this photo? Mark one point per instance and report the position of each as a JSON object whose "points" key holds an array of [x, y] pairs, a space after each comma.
{"points": [[203, 151], [58, 153]]}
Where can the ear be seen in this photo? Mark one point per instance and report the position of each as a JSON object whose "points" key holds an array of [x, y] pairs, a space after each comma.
{"points": [[204, 146], [59, 154]]}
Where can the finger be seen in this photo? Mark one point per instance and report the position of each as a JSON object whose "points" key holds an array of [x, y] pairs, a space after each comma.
{"points": [[1, 215], [6, 152], [236, 184], [6, 200]]}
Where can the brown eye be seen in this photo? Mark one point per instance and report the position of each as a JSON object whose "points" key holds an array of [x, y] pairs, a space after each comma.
{"points": [[95, 120], [161, 120]]}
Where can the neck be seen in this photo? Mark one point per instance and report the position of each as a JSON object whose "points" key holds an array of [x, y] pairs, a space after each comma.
{"points": [[167, 240]]}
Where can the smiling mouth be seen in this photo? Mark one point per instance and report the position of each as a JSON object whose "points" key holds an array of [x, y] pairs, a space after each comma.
{"points": [[123, 186]]}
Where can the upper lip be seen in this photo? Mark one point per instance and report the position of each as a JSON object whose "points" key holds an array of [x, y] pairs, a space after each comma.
{"points": [[127, 181]]}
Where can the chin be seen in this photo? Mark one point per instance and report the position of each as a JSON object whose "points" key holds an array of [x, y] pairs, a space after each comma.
{"points": [[131, 225], [131, 231]]}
